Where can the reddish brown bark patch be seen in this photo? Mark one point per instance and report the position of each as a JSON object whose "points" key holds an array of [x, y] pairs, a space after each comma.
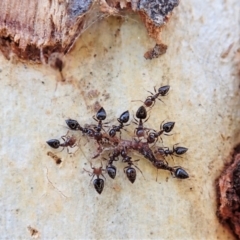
{"points": [[229, 195]]}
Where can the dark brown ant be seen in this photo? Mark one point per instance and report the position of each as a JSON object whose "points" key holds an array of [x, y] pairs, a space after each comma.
{"points": [[100, 116], [166, 128], [124, 117], [166, 151], [162, 91], [111, 169], [140, 114], [150, 100], [177, 171], [129, 170], [68, 142], [98, 183], [74, 125]]}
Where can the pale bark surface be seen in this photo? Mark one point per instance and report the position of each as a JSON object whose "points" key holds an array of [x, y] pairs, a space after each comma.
{"points": [[107, 67]]}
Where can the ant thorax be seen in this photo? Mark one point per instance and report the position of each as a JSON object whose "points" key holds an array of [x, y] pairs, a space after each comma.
{"points": [[115, 142]]}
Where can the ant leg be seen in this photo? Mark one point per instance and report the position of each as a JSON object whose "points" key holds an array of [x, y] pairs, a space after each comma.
{"points": [[174, 146], [95, 118], [89, 173], [168, 134], [66, 135], [137, 101], [161, 100], [74, 145], [161, 124], [136, 121], [172, 158], [157, 175], [62, 149], [150, 92], [125, 168], [103, 175], [68, 150], [120, 133], [177, 156], [64, 138], [139, 170], [102, 170]]}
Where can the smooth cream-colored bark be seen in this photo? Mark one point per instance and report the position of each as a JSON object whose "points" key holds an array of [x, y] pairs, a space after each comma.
{"points": [[107, 66]]}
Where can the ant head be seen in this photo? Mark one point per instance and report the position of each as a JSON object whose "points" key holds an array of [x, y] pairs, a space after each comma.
{"points": [[141, 113], [124, 117], [123, 153], [163, 90], [54, 143], [90, 132], [111, 170], [148, 102], [101, 114], [98, 185], [161, 151], [131, 174], [167, 127], [181, 173], [73, 124]]}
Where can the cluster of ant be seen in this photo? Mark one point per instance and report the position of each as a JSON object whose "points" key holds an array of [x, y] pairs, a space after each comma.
{"points": [[143, 142]]}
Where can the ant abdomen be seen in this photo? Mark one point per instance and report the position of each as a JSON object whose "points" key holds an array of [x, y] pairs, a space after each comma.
{"points": [[124, 117], [167, 127], [111, 170], [180, 173], [141, 113], [98, 184], [73, 124], [54, 143], [131, 174], [101, 114], [163, 90], [180, 150]]}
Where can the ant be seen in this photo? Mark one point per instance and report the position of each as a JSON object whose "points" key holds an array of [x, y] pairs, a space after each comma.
{"points": [[177, 171], [111, 169], [100, 116], [140, 114], [98, 183], [129, 170], [150, 100], [166, 128], [166, 151], [124, 117], [162, 91], [74, 125], [68, 142]]}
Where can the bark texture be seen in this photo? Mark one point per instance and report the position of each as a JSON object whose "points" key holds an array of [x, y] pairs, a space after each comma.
{"points": [[229, 195], [34, 30]]}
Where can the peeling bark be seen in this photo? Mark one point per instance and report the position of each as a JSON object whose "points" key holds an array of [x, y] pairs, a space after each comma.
{"points": [[229, 195], [33, 30]]}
